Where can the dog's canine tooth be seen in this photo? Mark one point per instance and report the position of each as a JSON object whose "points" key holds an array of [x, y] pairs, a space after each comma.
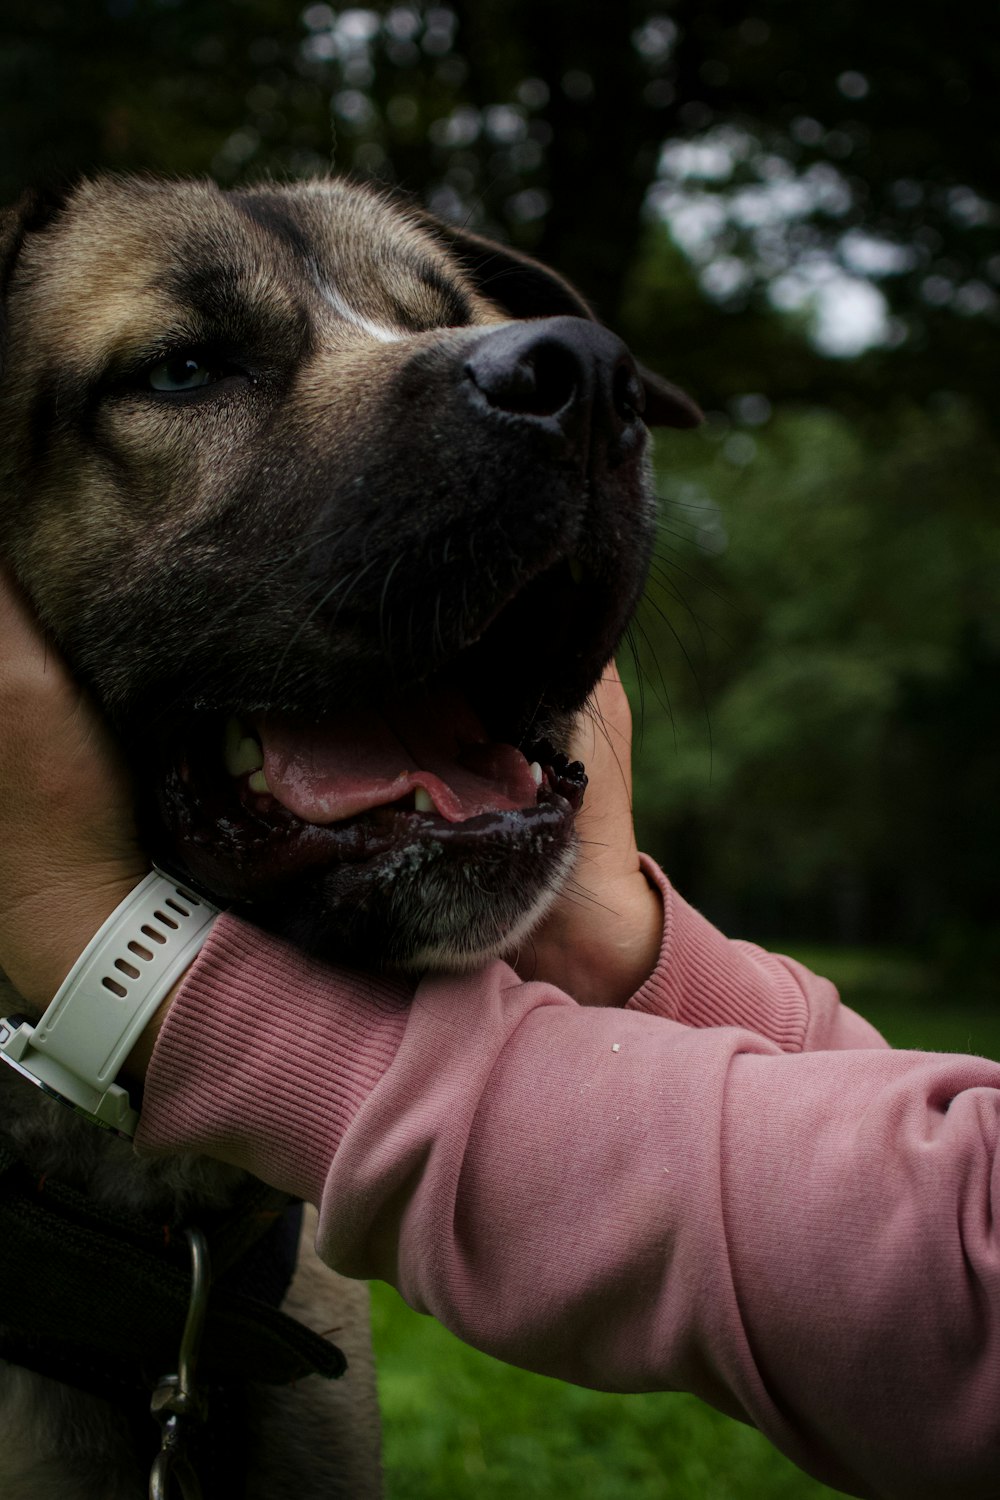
{"points": [[258, 782], [536, 772], [241, 752], [422, 801], [576, 570]]}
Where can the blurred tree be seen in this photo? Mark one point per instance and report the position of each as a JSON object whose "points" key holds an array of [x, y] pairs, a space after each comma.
{"points": [[824, 761]]}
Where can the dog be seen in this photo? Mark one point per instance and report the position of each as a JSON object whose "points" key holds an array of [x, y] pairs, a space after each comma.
{"points": [[338, 512]]}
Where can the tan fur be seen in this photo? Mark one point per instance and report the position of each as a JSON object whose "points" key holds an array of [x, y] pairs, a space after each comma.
{"points": [[323, 1429], [74, 312]]}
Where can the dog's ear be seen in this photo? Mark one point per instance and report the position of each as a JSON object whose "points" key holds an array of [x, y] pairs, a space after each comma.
{"points": [[666, 404], [33, 210], [528, 289]]}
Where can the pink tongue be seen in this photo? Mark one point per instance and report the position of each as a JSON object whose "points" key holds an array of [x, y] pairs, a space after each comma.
{"points": [[332, 771]]}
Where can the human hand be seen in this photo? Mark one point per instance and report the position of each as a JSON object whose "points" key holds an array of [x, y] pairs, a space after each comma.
{"points": [[601, 939], [69, 852]]}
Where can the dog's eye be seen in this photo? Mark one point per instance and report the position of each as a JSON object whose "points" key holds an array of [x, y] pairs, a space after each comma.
{"points": [[184, 372]]}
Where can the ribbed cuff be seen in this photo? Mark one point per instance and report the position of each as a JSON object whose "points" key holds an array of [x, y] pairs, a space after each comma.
{"points": [[704, 979], [244, 1070]]}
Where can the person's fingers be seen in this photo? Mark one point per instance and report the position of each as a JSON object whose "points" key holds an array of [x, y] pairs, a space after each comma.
{"points": [[603, 741], [68, 846]]}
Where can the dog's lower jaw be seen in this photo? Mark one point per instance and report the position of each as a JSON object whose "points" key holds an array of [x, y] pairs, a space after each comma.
{"points": [[457, 958], [392, 887], [426, 904]]}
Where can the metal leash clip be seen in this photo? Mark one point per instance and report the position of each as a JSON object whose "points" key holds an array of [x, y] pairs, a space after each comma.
{"points": [[177, 1404]]}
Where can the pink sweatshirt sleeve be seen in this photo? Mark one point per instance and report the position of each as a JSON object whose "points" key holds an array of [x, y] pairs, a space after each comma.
{"points": [[629, 1200], [705, 979]]}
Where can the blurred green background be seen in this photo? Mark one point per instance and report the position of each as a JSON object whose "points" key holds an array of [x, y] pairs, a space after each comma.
{"points": [[792, 211]]}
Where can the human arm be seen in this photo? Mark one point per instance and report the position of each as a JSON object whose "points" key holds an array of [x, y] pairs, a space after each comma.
{"points": [[601, 938], [619, 935], [804, 1240]]}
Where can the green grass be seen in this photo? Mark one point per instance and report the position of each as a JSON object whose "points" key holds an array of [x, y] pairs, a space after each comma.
{"points": [[461, 1425], [911, 1004], [458, 1424]]}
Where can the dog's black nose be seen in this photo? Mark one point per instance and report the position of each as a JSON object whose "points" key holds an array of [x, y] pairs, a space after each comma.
{"points": [[567, 374]]}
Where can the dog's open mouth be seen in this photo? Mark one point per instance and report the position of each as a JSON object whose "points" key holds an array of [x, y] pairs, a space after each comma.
{"points": [[254, 798], [283, 797], [431, 755]]}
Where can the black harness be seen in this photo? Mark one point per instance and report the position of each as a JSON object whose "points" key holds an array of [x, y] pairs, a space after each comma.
{"points": [[99, 1299]]}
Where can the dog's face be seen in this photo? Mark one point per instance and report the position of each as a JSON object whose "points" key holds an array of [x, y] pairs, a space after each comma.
{"points": [[340, 515]]}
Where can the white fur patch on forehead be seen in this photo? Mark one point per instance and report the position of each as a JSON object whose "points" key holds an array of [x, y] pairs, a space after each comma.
{"points": [[374, 263], [353, 317]]}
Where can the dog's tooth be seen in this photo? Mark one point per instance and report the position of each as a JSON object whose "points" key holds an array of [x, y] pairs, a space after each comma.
{"points": [[576, 570], [242, 752], [536, 772], [258, 782], [422, 801], [251, 756]]}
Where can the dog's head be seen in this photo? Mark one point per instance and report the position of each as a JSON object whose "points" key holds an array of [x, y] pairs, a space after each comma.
{"points": [[339, 513]]}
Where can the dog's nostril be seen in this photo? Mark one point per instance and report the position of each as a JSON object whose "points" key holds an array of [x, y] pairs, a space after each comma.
{"points": [[567, 376], [627, 394], [539, 381]]}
